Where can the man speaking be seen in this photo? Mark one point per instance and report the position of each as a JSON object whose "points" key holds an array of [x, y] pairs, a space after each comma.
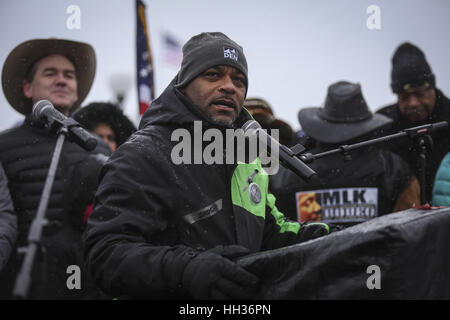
{"points": [[161, 230]]}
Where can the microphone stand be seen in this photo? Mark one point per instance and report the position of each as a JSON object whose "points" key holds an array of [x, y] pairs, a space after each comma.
{"points": [[421, 134], [23, 279]]}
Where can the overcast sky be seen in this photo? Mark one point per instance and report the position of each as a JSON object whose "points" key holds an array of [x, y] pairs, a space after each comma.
{"points": [[295, 49]]}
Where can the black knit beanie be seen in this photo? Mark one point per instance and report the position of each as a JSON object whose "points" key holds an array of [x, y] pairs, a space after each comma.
{"points": [[206, 50], [410, 68]]}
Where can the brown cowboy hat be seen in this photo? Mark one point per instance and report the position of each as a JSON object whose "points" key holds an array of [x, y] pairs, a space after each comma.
{"points": [[345, 115], [22, 57]]}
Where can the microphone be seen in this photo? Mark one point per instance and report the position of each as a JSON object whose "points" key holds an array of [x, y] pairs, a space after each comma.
{"points": [[44, 112], [287, 157]]}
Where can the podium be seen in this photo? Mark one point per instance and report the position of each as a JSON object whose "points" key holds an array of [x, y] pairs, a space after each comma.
{"points": [[402, 255]]}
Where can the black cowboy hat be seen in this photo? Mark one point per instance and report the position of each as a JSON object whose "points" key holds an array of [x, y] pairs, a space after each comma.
{"points": [[345, 115]]}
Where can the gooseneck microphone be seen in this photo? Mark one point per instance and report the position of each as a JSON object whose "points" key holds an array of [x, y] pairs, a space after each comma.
{"points": [[287, 157], [44, 112]]}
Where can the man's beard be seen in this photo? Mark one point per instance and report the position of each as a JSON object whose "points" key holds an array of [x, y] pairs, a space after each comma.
{"points": [[228, 123], [417, 114]]}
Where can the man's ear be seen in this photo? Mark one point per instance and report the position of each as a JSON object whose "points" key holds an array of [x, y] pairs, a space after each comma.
{"points": [[26, 87]]}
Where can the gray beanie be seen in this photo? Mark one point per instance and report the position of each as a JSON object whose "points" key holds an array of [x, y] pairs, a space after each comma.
{"points": [[206, 50]]}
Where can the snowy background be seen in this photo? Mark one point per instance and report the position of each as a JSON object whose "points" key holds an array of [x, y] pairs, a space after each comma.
{"points": [[295, 48]]}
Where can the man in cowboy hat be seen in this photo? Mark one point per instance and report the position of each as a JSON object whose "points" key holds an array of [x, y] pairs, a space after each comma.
{"points": [[365, 184], [419, 102], [61, 71]]}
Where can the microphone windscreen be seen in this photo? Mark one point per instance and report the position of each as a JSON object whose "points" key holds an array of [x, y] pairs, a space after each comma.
{"points": [[251, 124], [38, 107]]}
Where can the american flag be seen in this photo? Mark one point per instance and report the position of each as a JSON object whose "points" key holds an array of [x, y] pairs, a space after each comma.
{"points": [[173, 53], [144, 61]]}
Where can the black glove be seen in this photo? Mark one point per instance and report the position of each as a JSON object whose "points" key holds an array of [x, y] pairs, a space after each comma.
{"points": [[313, 230], [212, 275]]}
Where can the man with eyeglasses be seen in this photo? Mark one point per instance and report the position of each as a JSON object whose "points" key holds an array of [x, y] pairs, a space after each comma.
{"points": [[419, 102]]}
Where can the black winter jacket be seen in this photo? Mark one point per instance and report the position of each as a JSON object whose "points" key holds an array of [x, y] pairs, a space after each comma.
{"points": [[8, 221], [346, 189], [407, 148], [150, 215], [26, 152]]}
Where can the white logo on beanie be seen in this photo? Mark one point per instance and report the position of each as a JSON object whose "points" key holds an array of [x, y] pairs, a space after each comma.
{"points": [[230, 53]]}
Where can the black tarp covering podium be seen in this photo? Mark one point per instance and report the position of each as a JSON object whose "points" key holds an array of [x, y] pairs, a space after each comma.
{"points": [[411, 249]]}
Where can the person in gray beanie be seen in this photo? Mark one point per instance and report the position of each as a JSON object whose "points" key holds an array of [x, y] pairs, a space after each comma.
{"points": [[205, 56], [168, 223], [418, 102]]}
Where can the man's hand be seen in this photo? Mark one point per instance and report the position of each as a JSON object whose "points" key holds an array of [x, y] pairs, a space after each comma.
{"points": [[212, 275], [309, 231]]}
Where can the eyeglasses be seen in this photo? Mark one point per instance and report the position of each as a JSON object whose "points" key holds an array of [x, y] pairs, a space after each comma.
{"points": [[409, 90]]}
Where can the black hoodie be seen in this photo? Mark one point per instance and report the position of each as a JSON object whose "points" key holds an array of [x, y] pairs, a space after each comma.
{"points": [[151, 216]]}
